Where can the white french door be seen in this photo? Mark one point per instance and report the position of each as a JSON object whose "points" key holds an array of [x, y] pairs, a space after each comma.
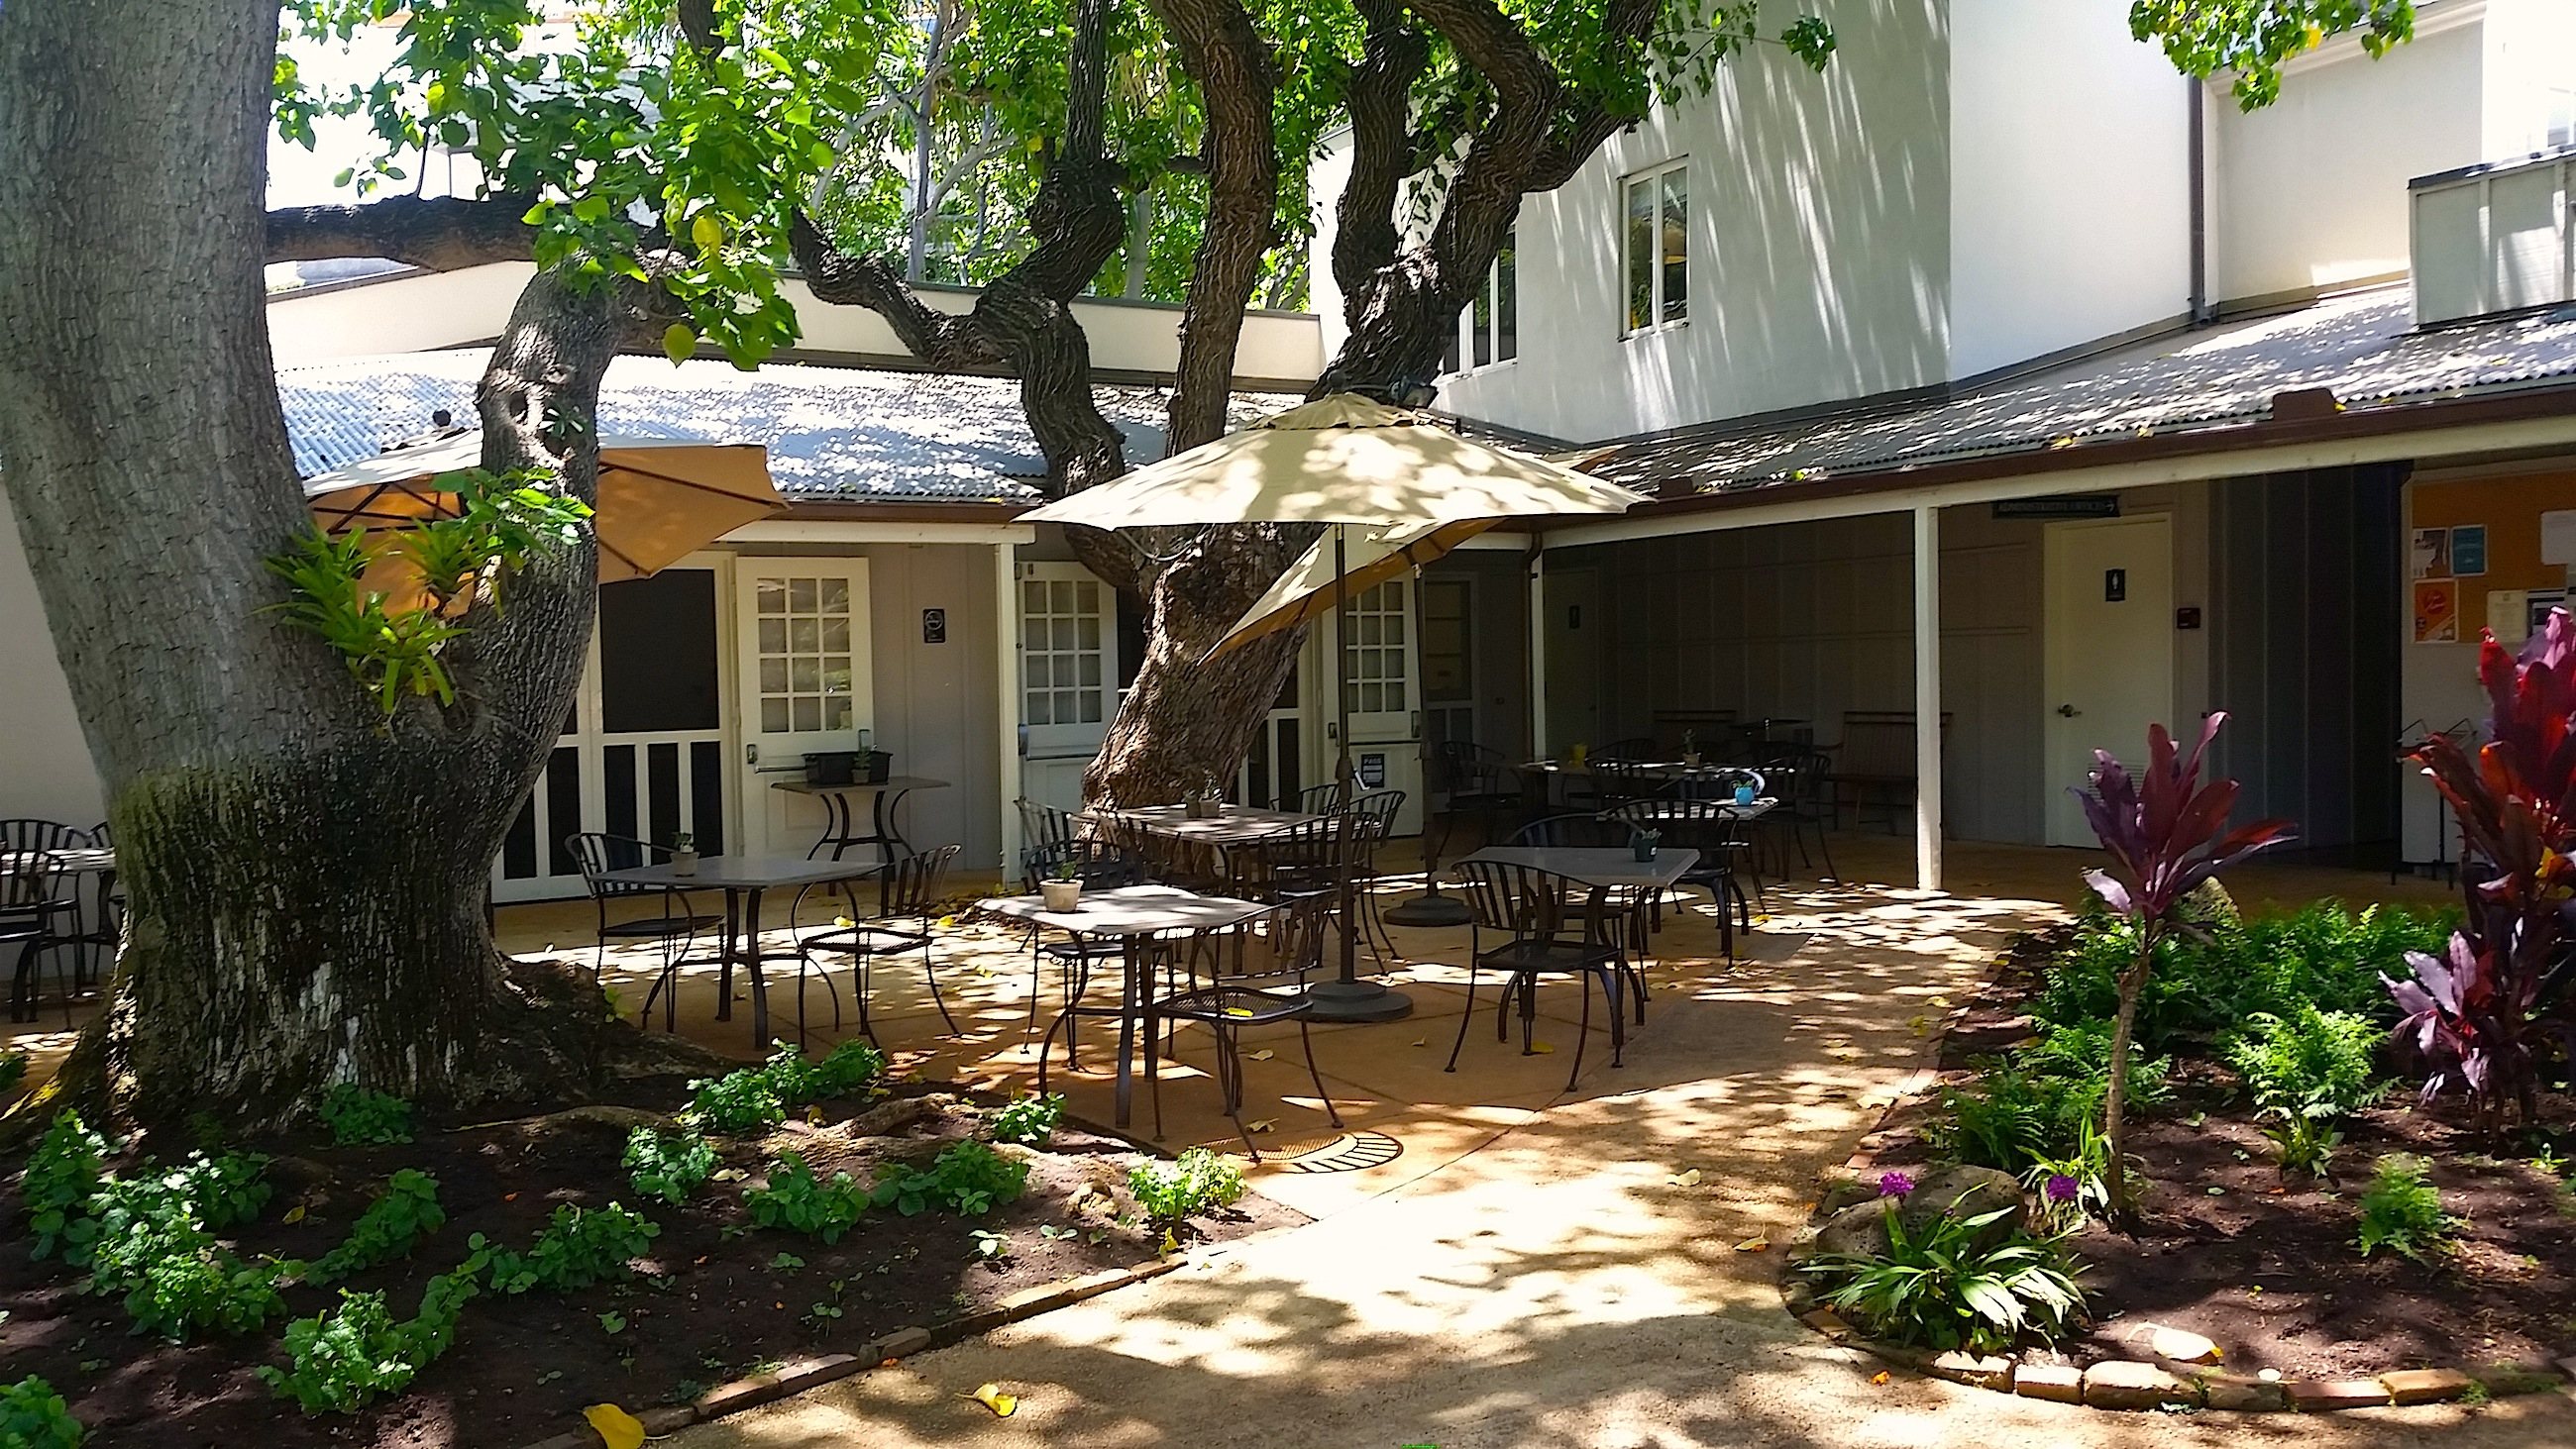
{"points": [[1068, 677], [801, 648], [1380, 671]]}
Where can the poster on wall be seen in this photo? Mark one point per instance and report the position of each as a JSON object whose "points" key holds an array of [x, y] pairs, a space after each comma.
{"points": [[2558, 536], [2437, 611], [2432, 553], [2468, 549], [2509, 616]]}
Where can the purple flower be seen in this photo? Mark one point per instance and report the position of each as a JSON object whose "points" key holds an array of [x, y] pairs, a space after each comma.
{"points": [[2061, 1188], [1894, 1184]]}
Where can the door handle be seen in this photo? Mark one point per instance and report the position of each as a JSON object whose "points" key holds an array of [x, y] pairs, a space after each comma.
{"points": [[2068, 710], [751, 754]]}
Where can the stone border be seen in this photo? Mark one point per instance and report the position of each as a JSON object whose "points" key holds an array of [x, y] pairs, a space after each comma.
{"points": [[2124, 1383], [800, 1374]]}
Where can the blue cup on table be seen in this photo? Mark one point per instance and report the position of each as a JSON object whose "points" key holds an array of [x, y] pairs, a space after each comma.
{"points": [[1744, 794]]}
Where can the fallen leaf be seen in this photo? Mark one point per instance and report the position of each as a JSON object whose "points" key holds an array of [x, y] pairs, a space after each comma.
{"points": [[1170, 1244], [616, 1427], [1689, 1177], [843, 922], [1262, 1055], [1759, 1243], [1262, 1124], [295, 1214], [1879, 1377], [1540, 1048], [814, 1115], [1422, 1041], [991, 1396], [509, 1197], [946, 922]]}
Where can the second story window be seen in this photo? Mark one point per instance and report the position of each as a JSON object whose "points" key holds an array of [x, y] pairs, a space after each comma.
{"points": [[1489, 328], [1656, 238]]}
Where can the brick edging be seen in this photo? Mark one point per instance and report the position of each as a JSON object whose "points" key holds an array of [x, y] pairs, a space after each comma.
{"points": [[813, 1371], [2133, 1384]]}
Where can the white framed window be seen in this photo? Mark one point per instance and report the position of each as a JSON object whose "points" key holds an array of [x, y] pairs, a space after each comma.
{"points": [[1655, 243], [1489, 327], [1068, 658]]}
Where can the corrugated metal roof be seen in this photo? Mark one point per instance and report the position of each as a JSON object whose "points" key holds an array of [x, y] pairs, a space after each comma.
{"points": [[834, 433], [2362, 347]]}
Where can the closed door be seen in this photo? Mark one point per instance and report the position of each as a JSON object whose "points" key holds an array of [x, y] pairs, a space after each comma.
{"points": [[1068, 678], [2110, 653], [1575, 640], [801, 656], [1380, 675], [1448, 662]]}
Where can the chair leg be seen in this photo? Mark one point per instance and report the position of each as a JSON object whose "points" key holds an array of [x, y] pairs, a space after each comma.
{"points": [[1464, 1017], [1583, 1029], [932, 973], [1153, 1079], [1529, 1017], [1306, 1039], [862, 987]]}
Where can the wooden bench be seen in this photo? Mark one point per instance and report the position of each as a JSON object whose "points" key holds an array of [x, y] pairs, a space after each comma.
{"points": [[1875, 760]]}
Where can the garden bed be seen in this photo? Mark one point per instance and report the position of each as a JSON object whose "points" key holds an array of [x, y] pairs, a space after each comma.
{"points": [[2264, 1262], [711, 1298]]}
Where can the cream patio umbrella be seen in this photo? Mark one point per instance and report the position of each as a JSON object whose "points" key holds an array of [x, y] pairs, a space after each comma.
{"points": [[1383, 474], [660, 499]]}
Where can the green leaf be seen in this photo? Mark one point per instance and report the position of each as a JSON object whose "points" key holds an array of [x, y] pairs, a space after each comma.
{"points": [[678, 342]]}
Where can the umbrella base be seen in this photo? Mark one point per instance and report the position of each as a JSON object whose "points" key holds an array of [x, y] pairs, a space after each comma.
{"points": [[1431, 909], [1355, 1001]]}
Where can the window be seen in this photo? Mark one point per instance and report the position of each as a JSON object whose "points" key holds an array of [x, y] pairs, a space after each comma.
{"points": [[1658, 247], [1373, 653], [1490, 327], [1063, 667], [803, 654]]}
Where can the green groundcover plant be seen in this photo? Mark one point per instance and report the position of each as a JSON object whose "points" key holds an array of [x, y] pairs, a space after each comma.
{"points": [[33, 1416], [1197, 1181], [1938, 1286]]}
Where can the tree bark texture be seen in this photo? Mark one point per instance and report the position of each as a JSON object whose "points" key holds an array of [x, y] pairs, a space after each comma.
{"points": [[304, 879], [2122, 1208]]}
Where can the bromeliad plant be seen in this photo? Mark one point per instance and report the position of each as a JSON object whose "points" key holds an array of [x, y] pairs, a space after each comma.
{"points": [[2479, 1016], [2166, 833]]}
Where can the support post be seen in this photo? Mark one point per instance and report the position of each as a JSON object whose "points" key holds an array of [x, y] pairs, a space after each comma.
{"points": [[1006, 689], [1537, 617], [1927, 697]]}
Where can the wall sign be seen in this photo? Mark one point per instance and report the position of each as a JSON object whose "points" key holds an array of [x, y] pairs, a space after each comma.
{"points": [[2115, 586], [2437, 611], [2187, 617], [2468, 549], [2064, 505], [1372, 770], [934, 626], [2430, 556]]}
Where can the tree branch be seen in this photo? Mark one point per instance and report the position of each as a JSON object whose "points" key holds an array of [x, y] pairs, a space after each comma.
{"points": [[439, 234], [1392, 57], [1224, 52]]}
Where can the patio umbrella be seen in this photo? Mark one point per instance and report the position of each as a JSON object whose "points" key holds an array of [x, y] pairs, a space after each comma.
{"points": [[1366, 558], [660, 499], [1382, 476]]}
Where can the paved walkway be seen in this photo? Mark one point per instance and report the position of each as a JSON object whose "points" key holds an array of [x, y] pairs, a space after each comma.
{"points": [[1550, 1282]]}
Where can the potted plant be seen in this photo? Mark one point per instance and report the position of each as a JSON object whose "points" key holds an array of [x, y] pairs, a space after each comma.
{"points": [[684, 854], [1064, 891], [1201, 802], [1643, 842], [1690, 748]]}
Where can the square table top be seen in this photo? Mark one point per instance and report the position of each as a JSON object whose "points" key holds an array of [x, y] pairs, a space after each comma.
{"points": [[1603, 865], [746, 872], [890, 782], [1230, 825], [1130, 911], [1665, 769]]}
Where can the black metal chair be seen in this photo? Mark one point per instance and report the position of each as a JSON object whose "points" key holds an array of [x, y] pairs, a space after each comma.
{"points": [[1707, 827], [33, 907], [910, 889], [1806, 807], [1616, 781], [1472, 780], [1324, 799], [1308, 857], [1377, 811], [675, 925], [1260, 970], [1042, 825], [1555, 925]]}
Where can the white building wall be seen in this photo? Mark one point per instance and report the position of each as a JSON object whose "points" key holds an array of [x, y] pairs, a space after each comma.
{"points": [[2310, 192], [2530, 64], [45, 769], [2070, 181], [1819, 246]]}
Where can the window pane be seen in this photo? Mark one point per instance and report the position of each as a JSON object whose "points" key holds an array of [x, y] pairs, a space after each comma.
{"points": [[1676, 245], [1480, 324], [1507, 302], [773, 716], [800, 595], [1641, 254], [1449, 360]]}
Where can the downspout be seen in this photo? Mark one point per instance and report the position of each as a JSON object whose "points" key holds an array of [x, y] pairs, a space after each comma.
{"points": [[2202, 313]]}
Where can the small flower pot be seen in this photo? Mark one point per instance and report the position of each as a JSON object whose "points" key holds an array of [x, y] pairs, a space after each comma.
{"points": [[1743, 794], [1691, 758], [684, 862], [1644, 849], [1061, 895], [1201, 807]]}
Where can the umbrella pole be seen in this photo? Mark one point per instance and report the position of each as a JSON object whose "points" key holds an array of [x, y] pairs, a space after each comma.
{"points": [[1346, 997]]}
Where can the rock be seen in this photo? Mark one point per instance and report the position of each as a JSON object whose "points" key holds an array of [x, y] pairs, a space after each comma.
{"points": [[2243, 1395], [1974, 1369], [2208, 906], [1861, 1229], [2123, 1384], [2056, 1382], [2177, 1344], [1828, 1323], [2424, 1386], [2317, 1396]]}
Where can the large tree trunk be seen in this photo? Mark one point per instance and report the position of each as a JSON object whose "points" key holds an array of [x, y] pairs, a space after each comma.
{"points": [[304, 879]]}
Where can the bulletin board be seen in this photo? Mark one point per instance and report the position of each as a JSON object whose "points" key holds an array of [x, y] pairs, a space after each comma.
{"points": [[2476, 552]]}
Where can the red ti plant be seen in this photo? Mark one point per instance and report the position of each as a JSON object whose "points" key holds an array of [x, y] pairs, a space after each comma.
{"points": [[2166, 833], [2479, 1016]]}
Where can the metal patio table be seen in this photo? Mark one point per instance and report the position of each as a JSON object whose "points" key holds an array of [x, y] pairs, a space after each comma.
{"points": [[744, 879], [840, 829], [1133, 916]]}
